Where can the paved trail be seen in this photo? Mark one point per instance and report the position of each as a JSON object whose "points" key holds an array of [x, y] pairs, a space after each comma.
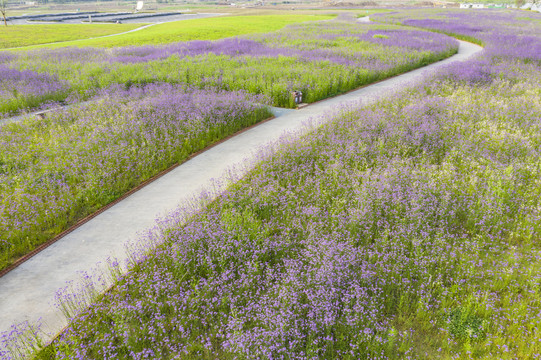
{"points": [[27, 292]]}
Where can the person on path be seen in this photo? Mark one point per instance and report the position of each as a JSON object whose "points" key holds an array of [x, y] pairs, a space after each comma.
{"points": [[298, 97]]}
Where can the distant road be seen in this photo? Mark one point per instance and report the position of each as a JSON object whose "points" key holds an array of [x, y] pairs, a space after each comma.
{"points": [[146, 20]]}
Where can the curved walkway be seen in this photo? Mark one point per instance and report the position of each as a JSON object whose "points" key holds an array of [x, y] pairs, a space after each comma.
{"points": [[28, 291]]}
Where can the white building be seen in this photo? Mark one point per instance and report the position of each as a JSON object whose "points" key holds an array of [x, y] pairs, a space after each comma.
{"points": [[472, 6]]}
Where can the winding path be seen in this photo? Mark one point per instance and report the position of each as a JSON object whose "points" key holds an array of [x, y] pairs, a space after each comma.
{"points": [[27, 292]]}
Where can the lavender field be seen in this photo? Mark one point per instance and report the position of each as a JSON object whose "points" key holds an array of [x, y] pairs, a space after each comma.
{"points": [[409, 229], [58, 170], [26, 89], [150, 107], [347, 56]]}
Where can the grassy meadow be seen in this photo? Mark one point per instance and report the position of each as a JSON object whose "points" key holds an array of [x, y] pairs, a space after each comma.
{"points": [[408, 229], [197, 29], [71, 164], [271, 64], [26, 35], [49, 167]]}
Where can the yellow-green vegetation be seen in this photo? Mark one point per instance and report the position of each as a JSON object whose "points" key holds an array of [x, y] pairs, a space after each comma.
{"points": [[321, 58], [530, 19], [25, 35], [199, 29], [233, 10]]}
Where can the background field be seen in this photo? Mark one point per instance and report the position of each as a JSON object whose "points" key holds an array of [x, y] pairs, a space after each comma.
{"points": [[24, 35], [272, 63], [198, 29], [191, 8]]}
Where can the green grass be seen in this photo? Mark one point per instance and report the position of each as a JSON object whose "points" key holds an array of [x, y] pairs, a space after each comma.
{"points": [[451, 238], [199, 29], [183, 126], [26, 35], [272, 76], [81, 72]]}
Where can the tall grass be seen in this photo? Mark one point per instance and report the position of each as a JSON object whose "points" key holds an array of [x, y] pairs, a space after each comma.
{"points": [[320, 59], [55, 171], [408, 229], [334, 58]]}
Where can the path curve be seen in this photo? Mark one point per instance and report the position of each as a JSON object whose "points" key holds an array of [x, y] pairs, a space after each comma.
{"points": [[27, 292], [364, 19]]}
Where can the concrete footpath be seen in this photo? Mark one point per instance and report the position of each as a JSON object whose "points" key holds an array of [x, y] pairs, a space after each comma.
{"points": [[28, 291]]}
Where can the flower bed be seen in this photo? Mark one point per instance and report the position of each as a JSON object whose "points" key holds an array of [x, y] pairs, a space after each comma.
{"points": [[405, 230], [55, 171]]}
